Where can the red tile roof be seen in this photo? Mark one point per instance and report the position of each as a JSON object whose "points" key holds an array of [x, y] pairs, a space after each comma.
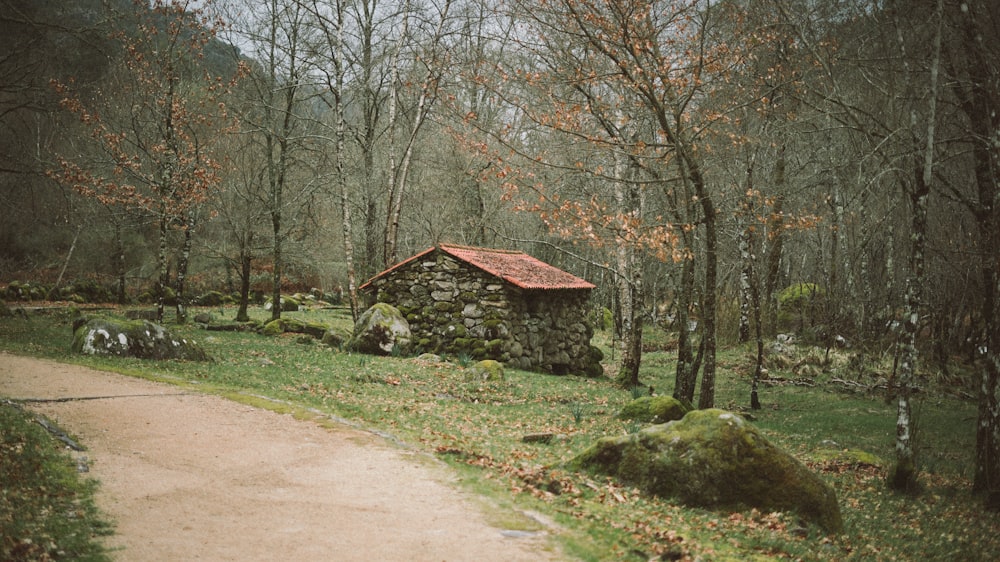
{"points": [[517, 268]]}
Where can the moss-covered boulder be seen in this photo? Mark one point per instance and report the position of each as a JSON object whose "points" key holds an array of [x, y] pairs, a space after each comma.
{"points": [[335, 338], [293, 325], [593, 367], [654, 409], [845, 458], [132, 338], [714, 459], [287, 303], [486, 370], [211, 298], [380, 330]]}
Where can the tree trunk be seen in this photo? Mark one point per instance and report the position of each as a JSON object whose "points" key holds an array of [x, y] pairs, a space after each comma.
{"points": [[277, 259], [69, 256], [389, 234], [119, 264], [776, 239], [987, 123], [161, 260], [979, 101], [708, 300], [182, 268], [341, 131], [245, 271], [629, 291], [684, 378], [399, 175], [903, 475], [758, 372], [750, 288], [630, 202], [746, 258]]}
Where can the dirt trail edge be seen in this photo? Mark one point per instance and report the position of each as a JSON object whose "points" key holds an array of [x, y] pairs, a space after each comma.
{"points": [[189, 476]]}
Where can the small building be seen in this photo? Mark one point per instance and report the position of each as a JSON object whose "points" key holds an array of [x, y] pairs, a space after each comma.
{"points": [[495, 304]]}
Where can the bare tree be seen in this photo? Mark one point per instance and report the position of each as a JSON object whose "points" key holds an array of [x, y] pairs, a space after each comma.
{"points": [[156, 130]]}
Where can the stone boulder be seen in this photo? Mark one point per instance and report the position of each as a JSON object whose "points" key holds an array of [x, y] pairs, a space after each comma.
{"points": [[714, 459], [335, 338], [295, 326], [132, 338], [380, 330], [486, 370], [654, 409]]}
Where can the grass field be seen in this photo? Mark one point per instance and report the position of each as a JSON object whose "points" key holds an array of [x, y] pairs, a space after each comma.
{"points": [[478, 427]]}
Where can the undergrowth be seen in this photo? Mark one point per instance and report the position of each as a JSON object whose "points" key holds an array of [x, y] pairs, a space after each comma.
{"points": [[46, 509]]}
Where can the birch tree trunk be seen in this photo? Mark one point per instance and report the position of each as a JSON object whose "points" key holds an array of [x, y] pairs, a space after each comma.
{"points": [[182, 268], [903, 475], [399, 172], [341, 131], [163, 280], [628, 278], [684, 376]]}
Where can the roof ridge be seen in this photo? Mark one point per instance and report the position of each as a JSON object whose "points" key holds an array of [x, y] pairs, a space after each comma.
{"points": [[481, 249]]}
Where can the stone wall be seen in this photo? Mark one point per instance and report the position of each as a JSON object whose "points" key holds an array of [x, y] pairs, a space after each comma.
{"points": [[454, 308]]}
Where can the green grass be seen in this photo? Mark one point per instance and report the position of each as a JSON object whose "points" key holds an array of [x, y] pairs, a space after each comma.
{"points": [[46, 509], [477, 428]]}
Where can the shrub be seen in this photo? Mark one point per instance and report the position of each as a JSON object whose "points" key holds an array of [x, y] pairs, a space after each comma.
{"points": [[800, 305], [211, 298]]}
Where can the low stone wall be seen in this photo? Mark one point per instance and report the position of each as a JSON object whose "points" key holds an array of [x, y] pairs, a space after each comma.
{"points": [[454, 308]]}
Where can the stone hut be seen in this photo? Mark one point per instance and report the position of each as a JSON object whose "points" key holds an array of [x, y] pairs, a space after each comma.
{"points": [[495, 304]]}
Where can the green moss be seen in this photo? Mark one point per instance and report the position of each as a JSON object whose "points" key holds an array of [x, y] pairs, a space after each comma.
{"points": [[486, 370], [273, 328], [315, 329], [282, 325], [211, 298], [712, 458], [653, 409]]}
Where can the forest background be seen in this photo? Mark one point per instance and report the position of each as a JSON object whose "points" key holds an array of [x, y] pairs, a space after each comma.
{"points": [[729, 170]]}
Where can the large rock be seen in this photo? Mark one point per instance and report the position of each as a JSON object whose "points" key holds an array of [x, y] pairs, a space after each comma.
{"points": [[714, 459], [380, 330], [132, 338]]}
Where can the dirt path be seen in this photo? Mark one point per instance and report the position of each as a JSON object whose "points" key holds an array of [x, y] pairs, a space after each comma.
{"points": [[188, 476]]}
